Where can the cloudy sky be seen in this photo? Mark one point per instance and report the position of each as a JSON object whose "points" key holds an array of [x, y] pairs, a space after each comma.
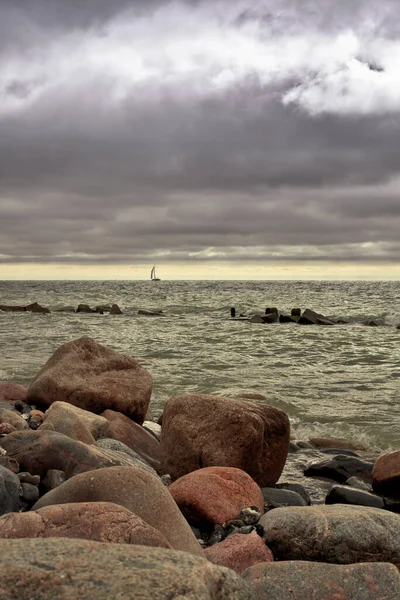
{"points": [[217, 138]]}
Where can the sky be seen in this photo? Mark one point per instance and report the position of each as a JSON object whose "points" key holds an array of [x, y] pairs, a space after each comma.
{"points": [[217, 139]]}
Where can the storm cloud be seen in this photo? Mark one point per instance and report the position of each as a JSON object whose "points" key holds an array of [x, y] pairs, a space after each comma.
{"points": [[199, 130]]}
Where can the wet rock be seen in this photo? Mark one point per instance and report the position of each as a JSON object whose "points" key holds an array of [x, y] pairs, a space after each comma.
{"points": [[238, 552], [371, 324], [150, 313], [337, 451], [386, 474], [134, 436], [324, 443], [100, 521], [115, 310], [224, 432], [310, 317], [13, 392], [94, 378], [279, 497], [74, 422], [7, 308], [140, 492], [46, 569], [134, 458], [338, 533], [39, 451], [9, 491], [85, 308], [297, 488], [295, 312], [214, 495], [340, 468], [304, 445], [287, 319], [293, 447], [258, 319], [271, 311], [343, 494], [301, 580], [36, 308], [354, 482]]}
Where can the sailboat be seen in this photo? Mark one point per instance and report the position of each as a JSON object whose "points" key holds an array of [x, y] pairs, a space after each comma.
{"points": [[153, 276]]}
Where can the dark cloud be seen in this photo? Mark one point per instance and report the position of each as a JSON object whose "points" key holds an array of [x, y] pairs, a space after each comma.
{"points": [[128, 128]]}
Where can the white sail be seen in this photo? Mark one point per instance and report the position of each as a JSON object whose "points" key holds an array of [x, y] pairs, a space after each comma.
{"points": [[153, 273]]}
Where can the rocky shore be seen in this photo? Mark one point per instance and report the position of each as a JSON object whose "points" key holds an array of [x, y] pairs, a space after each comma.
{"points": [[98, 500]]}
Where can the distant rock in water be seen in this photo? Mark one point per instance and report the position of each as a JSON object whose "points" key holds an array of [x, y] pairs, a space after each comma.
{"points": [[371, 324], [84, 308], [310, 317], [115, 310], [35, 308], [151, 313]]}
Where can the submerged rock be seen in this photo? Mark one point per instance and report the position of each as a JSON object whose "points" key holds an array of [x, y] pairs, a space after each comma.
{"points": [[340, 468]]}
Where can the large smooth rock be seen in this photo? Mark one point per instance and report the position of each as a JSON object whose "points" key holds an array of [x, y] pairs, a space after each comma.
{"points": [[386, 474], [310, 317], [214, 495], [95, 378], [49, 569], [334, 534], [206, 431], [340, 468], [239, 552], [344, 494], [96, 521], [134, 436], [39, 451], [279, 497], [300, 580], [74, 422], [10, 488], [140, 492]]}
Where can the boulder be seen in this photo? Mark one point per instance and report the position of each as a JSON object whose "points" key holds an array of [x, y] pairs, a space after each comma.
{"points": [[340, 468], [215, 495], [94, 378], [6, 308], [115, 310], [150, 313], [108, 444], [310, 317], [287, 319], [339, 533], [258, 319], [74, 422], [10, 488], [344, 494], [46, 569], [9, 463], [97, 521], [140, 492], [328, 443], [301, 580], [85, 308], [205, 431], [386, 474], [295, 312], [52, 479], [13, 392], [38, 451], [12, 418], [134, 436], [36, 308], [298, 489], [238, 552]]}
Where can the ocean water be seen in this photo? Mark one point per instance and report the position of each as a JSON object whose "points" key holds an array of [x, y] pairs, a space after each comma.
{"points": [[341, 381]]}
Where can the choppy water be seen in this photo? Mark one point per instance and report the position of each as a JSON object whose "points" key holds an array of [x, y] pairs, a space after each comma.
{"points": [[341, 381]]}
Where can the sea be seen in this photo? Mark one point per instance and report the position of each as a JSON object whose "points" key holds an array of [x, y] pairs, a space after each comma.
{"points": [[339, 381]]}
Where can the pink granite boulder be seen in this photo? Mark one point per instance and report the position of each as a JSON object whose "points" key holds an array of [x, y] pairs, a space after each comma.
{"points": [[101, 521], [13, 392], [94, 378], [238, 552], [204, 430], [386, 474], [215, 495]]}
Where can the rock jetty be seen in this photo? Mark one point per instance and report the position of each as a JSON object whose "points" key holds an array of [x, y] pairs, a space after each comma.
{"points": [[97, 501]]}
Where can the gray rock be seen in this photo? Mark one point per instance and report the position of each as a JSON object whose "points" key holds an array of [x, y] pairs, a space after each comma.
{"points": [[280, 497], [53, 479], [29, 492], [310, 317], [298, 488], [298, 580], [358, 483], [49, 569], [339, 534], [10, 488], [125, 455], [344, 494]]}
